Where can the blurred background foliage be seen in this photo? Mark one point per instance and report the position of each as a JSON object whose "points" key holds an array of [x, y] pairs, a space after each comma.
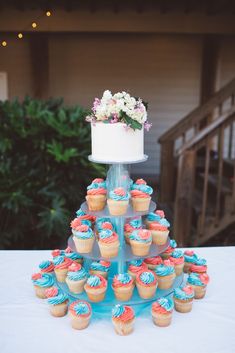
{"points": [[44, 171]]}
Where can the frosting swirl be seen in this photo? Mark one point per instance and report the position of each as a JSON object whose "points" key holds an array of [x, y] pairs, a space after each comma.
{"points": [[80, 308], [190, 256], [61, 262], [76, 272], [46, 266], [141, 189], [100, 266], [42, 280], [197, 279], [146, 278], [108, 236], [96, 189], [119, 194], [184, 293], [122, 279], [55, 296], [142, 236], [171, 246], [177, 257], [96, 281], [132, 225], [163, 306], [165, 269], [122, 312], [137, 265], [84, 232], [83, 216], [156, 260], [199, 266]]}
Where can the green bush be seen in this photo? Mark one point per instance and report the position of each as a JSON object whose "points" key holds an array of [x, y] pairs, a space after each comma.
{"points": [[44, 171]]}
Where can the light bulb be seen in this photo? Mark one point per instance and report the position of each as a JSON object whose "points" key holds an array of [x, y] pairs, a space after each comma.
{"points": [[48, 13], [4, 43], [34, 24], [20, 35]]}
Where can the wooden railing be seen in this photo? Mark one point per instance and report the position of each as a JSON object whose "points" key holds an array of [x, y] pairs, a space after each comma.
{"points": [[181, 147], [183, 131]]}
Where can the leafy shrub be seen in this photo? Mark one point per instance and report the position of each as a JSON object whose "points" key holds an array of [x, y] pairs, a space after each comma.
{"points": [[44, 171]]}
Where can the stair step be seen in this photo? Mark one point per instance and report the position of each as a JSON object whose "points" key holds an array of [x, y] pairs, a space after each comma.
{"points": [[226, 186]]}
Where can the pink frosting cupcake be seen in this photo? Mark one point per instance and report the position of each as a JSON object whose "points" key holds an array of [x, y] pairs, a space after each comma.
{"points": [[123, 286]]}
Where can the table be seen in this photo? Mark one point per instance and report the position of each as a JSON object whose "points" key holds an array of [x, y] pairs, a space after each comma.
{"points": [[26, 325]]}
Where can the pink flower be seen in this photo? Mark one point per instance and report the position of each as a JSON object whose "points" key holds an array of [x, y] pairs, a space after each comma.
{"points": [[74, 267], [144, 234], [36, 276], [51, 292], [147, 125], [160, 213], [105, 263], [55, 252]]}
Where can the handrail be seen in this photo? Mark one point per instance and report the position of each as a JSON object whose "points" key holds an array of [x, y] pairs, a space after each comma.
{"points": [[207, 131], [199, 113]]}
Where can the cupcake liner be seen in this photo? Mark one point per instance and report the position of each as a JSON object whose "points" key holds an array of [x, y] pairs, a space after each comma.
{"points": [[165, 282], [123, 293], [79, 322], [96, 202], [83, 246], [59, 310], [76, 287], [117, 208], [61, 274], [162, 320], [199, 291], [109, 250], [123, 328], [139, 249], [183, 306], [101, 273], [159, 236], [95, 294], [140, 204], [40, 292], [146, 292], [179, 269]]}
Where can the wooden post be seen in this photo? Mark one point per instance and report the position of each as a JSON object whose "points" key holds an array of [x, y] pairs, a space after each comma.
{"points": [[40, 64], [184, 197], [167, 172]]}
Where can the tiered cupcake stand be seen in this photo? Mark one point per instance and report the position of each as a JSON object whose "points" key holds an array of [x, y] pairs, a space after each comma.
{"points": [[117, 176]]}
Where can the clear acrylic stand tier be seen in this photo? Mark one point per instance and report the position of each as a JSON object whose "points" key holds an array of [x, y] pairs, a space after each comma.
{"points": [[118, 176]]}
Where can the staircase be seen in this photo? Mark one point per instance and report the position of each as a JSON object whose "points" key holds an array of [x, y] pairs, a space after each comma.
{"points": [[198, 169]]}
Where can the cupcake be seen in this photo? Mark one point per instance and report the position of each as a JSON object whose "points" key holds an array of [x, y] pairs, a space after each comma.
{"points": [[136, 266], [183, 299], [95, 288], [46, 266], [159, 231], [96, 196], [134, 224], [123, 319], [123, 286], [165, 274], [74, 256], [76, 278], [199, 266], [108, 243], [100, 268], [41, 282], [80, 313], [100, 181], [177, 258], [189, 258], [61, 264], [162, 310], [153, 262], [154, 217], [77, 222], [102, 223], [146, 283], [167, 253], [84, 239], [118, 201], [58, 301], [199, 283], [140, 195], [140, 241]]}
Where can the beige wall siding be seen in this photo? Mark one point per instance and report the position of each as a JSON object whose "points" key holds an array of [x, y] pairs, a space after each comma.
{"points": [[15, 60], [162, 69]]}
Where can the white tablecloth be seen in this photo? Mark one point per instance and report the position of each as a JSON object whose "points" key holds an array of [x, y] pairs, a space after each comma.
{"points": [[26, 325]]}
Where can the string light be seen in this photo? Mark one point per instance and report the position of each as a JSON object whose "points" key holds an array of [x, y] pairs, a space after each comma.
{"points": [[20, 35], [48, 13], [4, 43], [34, 24]]}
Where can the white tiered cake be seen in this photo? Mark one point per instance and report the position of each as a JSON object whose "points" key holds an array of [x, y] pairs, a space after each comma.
{"points": [[115, 143]]}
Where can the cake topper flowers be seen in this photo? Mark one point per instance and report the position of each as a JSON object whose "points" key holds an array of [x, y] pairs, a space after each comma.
{"points": [[120, 107]]}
